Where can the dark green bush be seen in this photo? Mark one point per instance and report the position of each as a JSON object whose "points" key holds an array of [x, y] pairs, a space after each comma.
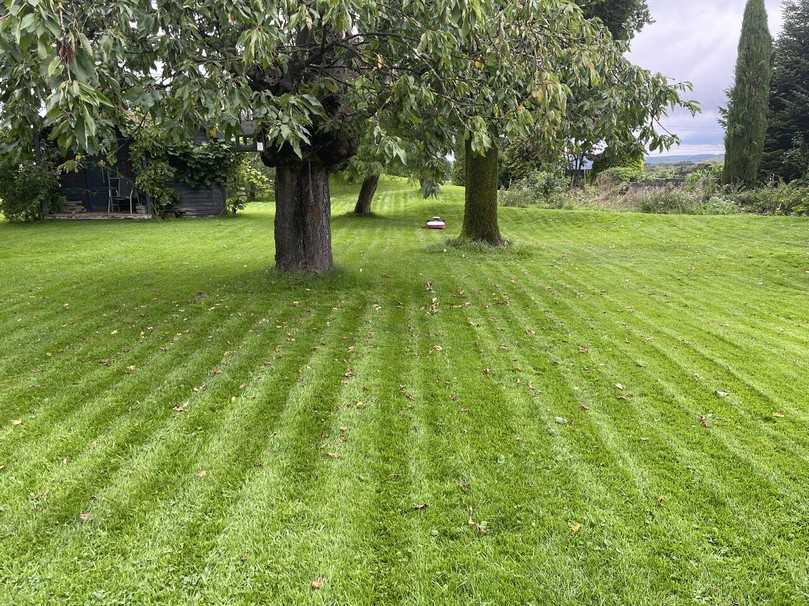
{"points": [[27, 189]]}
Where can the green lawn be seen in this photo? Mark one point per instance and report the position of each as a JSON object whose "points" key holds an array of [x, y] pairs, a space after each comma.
{"points": [[615, 411]]}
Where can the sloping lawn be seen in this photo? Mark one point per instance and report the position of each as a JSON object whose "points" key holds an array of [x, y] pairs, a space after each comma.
{"points": [[615, 411]]}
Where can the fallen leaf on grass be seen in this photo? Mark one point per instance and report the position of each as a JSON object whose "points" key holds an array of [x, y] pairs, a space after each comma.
{"points": [[575, 527], [420, 506], [334, 455], [317, 584], [660, 500], [584, 349], [479, 527], [405, 393], [561, 421], [585, 408], [16, 422], [779, 415], [721, 394], [620, 387], [202, 473], [216, 371], [85, 516]]}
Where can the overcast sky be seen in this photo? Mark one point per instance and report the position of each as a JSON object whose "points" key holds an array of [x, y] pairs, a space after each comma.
{"points": [[696, 40]]}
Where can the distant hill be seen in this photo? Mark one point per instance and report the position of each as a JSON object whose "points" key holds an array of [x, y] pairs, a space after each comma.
{"points": [[693, 159]]}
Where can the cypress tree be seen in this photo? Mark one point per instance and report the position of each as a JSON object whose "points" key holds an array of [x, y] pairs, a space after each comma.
{"points": [[749, 99], [786, 153]]}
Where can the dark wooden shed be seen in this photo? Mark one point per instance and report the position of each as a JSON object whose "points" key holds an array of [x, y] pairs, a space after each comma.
{"points": [[97, 191]]}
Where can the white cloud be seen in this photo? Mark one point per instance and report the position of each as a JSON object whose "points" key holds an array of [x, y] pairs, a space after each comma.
{"points": [[696, 41]]}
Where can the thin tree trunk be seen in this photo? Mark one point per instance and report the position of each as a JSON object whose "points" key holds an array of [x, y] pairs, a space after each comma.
{"points": [[303, 218], [366, 196], [480, 212]]}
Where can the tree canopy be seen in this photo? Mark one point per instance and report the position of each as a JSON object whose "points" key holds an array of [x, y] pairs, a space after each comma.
{"points": [[315, 75], [624, 18]]}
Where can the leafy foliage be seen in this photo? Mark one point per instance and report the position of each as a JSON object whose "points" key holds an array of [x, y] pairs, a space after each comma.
{"points": [[622, 17], [676, 201], [776, 199], [92, 61], [161, 161], [707, 180], [542, 188], [245, 182], [626, 158], [27, 188], [620, 174], [746, 116]]}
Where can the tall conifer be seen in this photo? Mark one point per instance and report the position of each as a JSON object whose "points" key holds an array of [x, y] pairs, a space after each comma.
{"points": [[749, 99], [786, 154]]}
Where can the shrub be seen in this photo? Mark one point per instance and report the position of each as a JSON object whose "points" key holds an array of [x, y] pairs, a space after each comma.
{"points": [[706, 180], [26, 189], [245, 182], [542, 188], [667, 202], [718, 205], [776, 199], [676, 201], [619, 175], [156, 178]]}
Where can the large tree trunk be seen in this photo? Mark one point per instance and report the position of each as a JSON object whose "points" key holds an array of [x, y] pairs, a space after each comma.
{"points": [[302, 217], [480, 212], [366, 196]]}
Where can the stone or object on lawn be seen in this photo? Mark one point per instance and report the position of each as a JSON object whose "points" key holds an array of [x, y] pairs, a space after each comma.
{"points": [[436, 223]]}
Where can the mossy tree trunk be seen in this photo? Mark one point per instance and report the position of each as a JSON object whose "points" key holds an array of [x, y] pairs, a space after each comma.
{"points": [[480, 212], [303, 217], [366, 196]]}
